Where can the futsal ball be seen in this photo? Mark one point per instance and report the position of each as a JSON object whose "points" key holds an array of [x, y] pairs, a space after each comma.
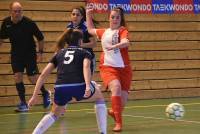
{"points": [[175, 111]]}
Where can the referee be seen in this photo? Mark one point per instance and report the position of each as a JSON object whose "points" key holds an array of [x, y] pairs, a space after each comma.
{"points": [[21, 31]]}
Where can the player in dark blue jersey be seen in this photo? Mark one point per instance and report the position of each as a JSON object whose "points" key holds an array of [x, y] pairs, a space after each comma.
{"points": [[73, 81], [78, 18]]}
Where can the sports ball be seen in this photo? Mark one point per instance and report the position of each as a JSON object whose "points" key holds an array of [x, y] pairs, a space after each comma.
{"points": [[175, 111]]}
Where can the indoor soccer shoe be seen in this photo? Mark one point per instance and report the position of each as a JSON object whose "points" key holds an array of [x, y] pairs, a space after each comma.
{"points": [[22, 107], [118, 127], [47, 99]]}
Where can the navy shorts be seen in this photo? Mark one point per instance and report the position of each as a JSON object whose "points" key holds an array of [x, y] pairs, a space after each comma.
{"points": [[30, 64], [65, 92]]}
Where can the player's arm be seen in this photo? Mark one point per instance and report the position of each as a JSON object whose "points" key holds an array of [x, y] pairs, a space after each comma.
{"points": [[41, 46], [122, 44], [40, 40], [40, 50], [3, 33], [1, 41], [90, 44], [47, 70], [89, 21], [87, 75], [124, 41]]}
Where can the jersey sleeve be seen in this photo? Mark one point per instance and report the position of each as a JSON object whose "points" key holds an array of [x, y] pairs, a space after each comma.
{"points": [[87, 55], [36, 31], [53, 60], [123, 33], [3, 31], [99, 33]]}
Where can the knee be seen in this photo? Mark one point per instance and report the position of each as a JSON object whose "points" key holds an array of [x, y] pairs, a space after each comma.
{"points": [[58, 112], [116, 89], [18, 77], [99, 94]]}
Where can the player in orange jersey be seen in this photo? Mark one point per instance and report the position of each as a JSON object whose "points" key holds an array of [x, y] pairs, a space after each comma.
{"points": [[115, 68]]}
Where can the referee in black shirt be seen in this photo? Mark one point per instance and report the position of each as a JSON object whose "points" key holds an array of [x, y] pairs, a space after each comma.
{"points": [[21, 32]]}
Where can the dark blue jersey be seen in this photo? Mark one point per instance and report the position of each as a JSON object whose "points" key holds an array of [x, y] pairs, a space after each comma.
{"points": [[69, 63], [82, 26]]}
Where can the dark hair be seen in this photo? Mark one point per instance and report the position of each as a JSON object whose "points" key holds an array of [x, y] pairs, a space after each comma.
{"points": [[69, 36], [82, 10], [121, 12]]}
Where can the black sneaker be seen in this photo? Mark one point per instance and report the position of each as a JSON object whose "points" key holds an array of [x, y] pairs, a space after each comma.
{"points": [[22, 107], [47, 99]]}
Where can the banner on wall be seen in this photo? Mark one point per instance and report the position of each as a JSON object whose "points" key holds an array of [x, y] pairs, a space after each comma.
{"points": [[147, 6]]}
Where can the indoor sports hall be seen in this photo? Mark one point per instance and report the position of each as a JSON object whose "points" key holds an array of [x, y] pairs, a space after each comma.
{"points": [[165, 60]]}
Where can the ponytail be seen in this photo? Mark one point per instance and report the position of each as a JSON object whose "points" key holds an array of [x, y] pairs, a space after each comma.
{"points": [[69, 36]]}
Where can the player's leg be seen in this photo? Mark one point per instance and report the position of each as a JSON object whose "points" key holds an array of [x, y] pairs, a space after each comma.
{"points": [[18, 76], [100, 108], [125, 79], [22, 106], [124, 97], [120, 91], [116, 102], [111, 77], [48, 119], [61, 98], [32, 72], [18, 69]]}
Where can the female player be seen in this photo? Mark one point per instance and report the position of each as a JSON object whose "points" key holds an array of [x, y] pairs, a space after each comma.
{"points": [[73, 81], [115, 68], [78, 18]]}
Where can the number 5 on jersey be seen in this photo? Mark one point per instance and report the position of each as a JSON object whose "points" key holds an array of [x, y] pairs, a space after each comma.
{"points": [[69, 56]]}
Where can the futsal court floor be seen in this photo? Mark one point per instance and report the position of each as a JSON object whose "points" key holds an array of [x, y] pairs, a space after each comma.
{"points": [[139, 117]]}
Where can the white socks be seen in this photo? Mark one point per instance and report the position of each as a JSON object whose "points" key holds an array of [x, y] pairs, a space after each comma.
{"points": [[101, 116], [45, 123]]}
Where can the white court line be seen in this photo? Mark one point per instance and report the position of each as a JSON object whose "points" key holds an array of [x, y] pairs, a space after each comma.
{"points": [[30, 113], [186, 104], [156, 118], [80, 110]]}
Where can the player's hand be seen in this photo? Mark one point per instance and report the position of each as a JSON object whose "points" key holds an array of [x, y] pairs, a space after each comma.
{"points": [[87, 93], [32, 101], [108, 48], [89, 10], [39, 57]]}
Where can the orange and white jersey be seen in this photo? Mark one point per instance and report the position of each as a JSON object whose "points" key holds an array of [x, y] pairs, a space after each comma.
{"points": [[117, 57]]}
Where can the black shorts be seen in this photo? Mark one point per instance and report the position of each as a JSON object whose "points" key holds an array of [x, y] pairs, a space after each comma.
{"points": [[28, 63]]}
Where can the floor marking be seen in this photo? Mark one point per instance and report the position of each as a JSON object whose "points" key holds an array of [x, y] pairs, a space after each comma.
{"points": [[184, 104], [80, 110], [158, 118]]}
